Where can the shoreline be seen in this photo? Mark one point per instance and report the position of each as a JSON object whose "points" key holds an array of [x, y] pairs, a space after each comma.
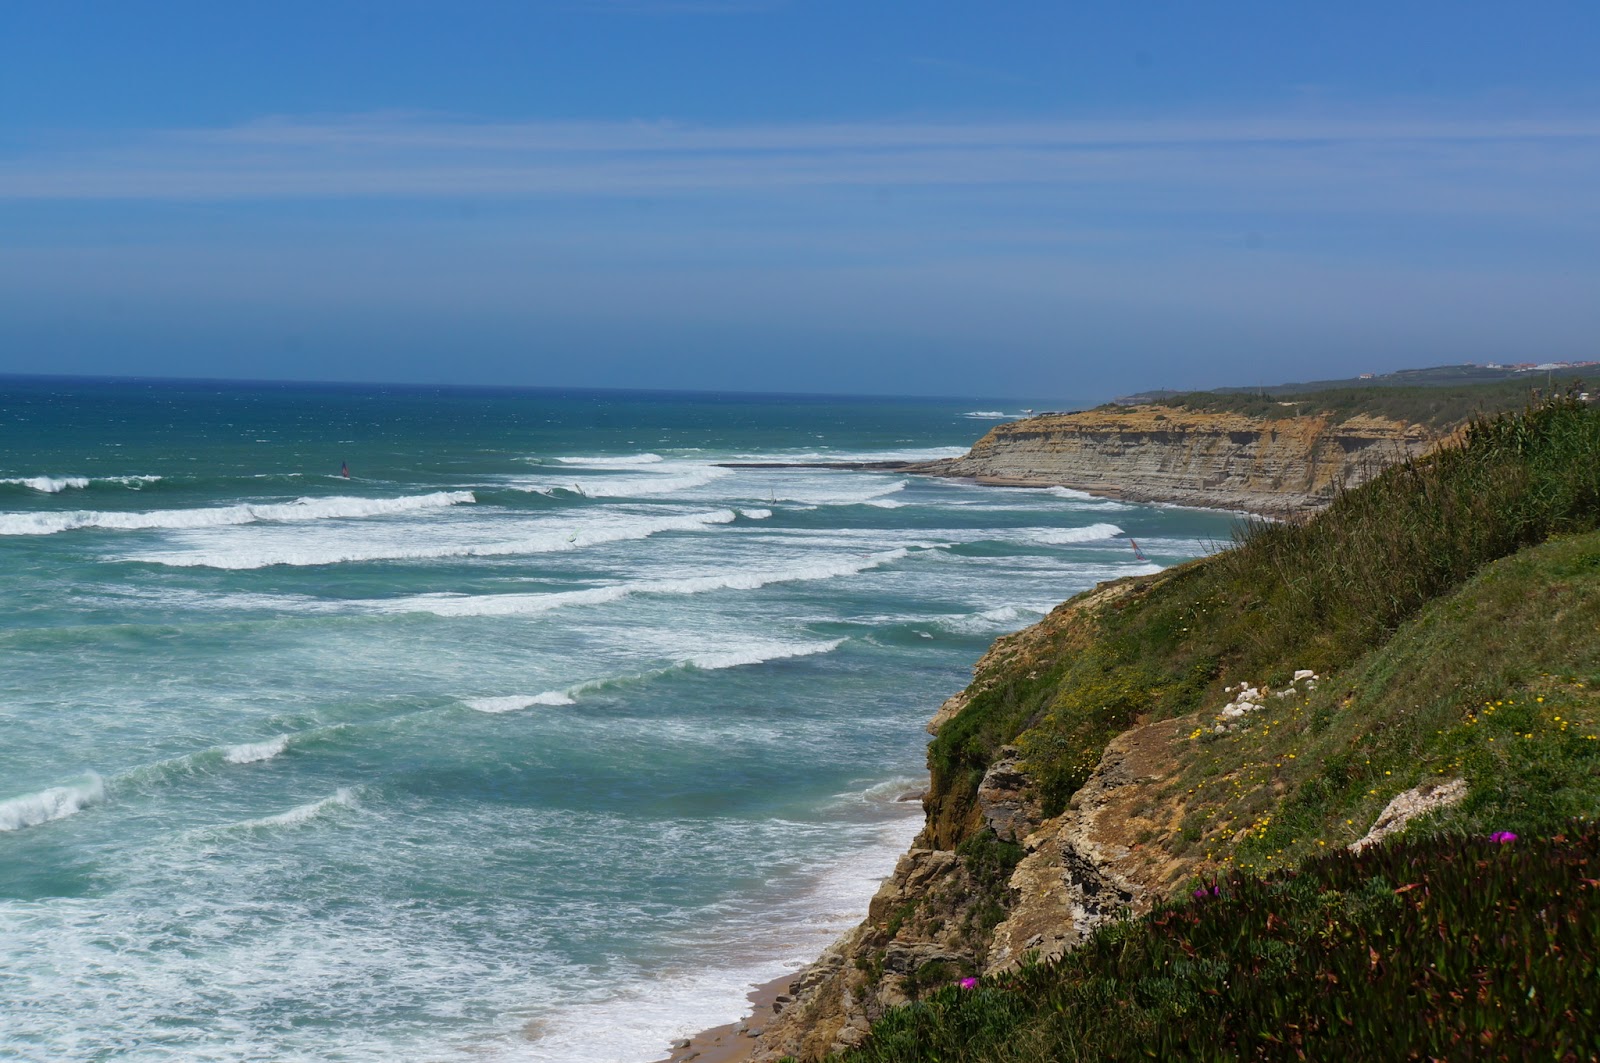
{"points": [[736, 1041], [733, 1042]]}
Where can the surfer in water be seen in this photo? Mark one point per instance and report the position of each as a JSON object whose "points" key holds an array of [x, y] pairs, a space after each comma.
{"points": [[344, 469]]}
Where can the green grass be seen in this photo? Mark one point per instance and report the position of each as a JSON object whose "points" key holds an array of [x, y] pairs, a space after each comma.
{"points": [[1438, 948], [1314, 595], [1438, 407], [1497, 683]]}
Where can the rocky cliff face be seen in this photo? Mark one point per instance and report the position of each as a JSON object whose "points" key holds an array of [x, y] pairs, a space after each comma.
{"points": [[984, 886], [1161, 454]]}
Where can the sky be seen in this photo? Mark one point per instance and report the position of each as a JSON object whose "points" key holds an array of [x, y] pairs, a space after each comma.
{"points": [[1006, 199]]}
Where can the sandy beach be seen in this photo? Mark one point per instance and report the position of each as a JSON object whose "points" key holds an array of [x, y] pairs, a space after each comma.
{"points": [[735, 1041]]}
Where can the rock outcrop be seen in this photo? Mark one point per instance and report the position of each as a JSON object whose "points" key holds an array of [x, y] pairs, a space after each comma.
{"points": [[1276, 466], [943, 914]]}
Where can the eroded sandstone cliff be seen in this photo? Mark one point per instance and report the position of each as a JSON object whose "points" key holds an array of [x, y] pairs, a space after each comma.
{"points": [[1162, 454]]}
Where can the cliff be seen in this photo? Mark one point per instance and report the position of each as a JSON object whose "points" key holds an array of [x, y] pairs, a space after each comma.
{"points": [[1420, 659], [1157, 453]]}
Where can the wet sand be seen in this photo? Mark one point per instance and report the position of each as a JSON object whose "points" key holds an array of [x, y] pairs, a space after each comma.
{"points": [[734, 1042]]}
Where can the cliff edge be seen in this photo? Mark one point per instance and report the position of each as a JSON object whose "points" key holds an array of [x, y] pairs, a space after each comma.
{"points": [[1271, 465]]}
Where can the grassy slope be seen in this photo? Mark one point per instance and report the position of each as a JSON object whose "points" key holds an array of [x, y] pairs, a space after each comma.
{"points": [[1442, 660], [1438, 407], [1317, 595]]}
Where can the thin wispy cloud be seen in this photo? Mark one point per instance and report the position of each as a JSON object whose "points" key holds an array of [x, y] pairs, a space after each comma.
{"points": [[1272, 162]]}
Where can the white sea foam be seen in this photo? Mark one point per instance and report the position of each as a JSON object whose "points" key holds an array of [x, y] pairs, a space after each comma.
{"points": [[522, 604], [404, 545], [822, 454], [251, 752], [514, 702], [612, 460], [638, 1020], [1066, 536], [755, 514], [761, 653], [58, 802], [657, 483], [836, 491], [1068, 492], [741, 657], [344, 797], [56, 484], [993, 415], [1000, 618], [48, 484], [245, 513]]}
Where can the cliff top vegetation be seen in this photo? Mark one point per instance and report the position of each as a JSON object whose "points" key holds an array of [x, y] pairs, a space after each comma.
{"points": [[1438, 406]]}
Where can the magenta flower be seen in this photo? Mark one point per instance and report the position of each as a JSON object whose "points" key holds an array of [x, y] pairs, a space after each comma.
{"points": [[1502, 836], [969, 983]]}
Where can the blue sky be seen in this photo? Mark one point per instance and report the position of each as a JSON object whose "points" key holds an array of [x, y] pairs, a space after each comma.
{"points": [[1045, 200]]}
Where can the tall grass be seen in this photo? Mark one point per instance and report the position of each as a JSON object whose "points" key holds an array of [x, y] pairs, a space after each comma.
{"points": [[1342, 580]]}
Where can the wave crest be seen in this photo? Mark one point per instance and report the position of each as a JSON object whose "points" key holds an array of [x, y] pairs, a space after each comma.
{"points": [[253, 752], [523, 604], [1065, 536], [574, 537], [610, 460], [514, 702], [221, 516], [57, 802], [344, 797]]}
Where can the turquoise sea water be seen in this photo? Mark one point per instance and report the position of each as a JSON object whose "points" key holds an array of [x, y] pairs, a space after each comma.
{"points": [[540, 737]]}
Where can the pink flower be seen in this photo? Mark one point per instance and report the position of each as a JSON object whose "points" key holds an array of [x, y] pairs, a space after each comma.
{"points": [[969, 983], [1502, 836]]}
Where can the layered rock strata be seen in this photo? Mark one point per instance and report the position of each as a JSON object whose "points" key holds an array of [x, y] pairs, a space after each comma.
{"points": [[1276, 466]]}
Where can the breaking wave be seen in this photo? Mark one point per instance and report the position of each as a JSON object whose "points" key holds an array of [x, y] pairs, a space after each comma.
{"points": [[573, 537], [662, 483], [521, 604], [760, 654], [344, 797], [58, 802], [610, 460], [1064, 536], [838, 495], [514, 702], [51, 485], [222, 516], [252, 752], [744, 656]]}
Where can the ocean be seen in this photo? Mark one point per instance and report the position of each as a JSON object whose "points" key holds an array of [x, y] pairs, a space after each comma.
{"points": [[540, 737]]}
